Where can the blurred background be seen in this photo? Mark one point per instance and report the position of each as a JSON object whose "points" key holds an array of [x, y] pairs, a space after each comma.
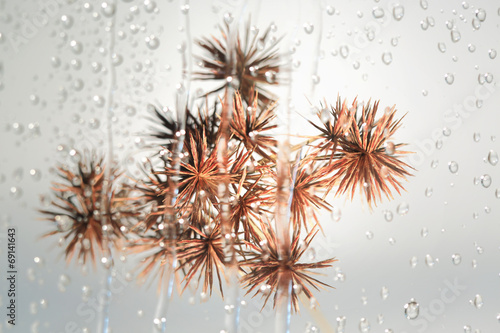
{"points": [[438, 243]]}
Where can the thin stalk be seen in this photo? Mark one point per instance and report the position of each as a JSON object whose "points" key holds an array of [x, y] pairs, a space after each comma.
{"points": [[318, 19], [232, 300], [170, 216], [284, 190], [107, 260]]}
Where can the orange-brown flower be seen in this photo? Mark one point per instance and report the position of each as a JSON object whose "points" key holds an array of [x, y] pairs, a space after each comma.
{"points": [[201, 255], [309, 180], [265, 268], [336, 124], [199, 175], [256, 62], [77, 213], [368, 159], [250, 123]]}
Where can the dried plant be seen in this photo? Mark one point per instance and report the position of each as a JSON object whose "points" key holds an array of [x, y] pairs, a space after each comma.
{"points": [[265, 267], [251, 122], [77, 213], [201, 255], [351, 151], [367, 159], [256, 62]]}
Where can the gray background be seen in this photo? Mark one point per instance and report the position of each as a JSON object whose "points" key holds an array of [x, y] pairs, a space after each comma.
{"points": [[45, 112]]}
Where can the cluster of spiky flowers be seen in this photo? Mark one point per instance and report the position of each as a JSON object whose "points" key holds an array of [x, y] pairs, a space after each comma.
{"points": [[185, 181], [78, 211]]}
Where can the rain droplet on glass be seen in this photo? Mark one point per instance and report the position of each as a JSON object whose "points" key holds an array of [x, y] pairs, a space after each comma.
{"points": [[387, 58], [486, 180], [455, 35], [398, 12], [429, 260], [456, 258], [453, 167], [449, 78], [403, 208], [478, 301], [412, 309], [364, 325]]}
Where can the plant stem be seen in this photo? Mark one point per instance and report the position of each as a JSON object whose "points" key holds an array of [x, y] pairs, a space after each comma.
{"points": [[107, 260]]}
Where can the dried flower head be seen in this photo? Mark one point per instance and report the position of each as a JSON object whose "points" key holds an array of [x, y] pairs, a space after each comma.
{"points": [[201, 255], [367, 159], [336, 123], [165, 127], [251, 122], [256, 62], [309, 180], [265, 268], [199, 175], [77, 213]]}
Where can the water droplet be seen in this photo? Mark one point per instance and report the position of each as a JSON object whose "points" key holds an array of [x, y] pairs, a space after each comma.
{"points": [[471, 48], [152, 42], [424, 24], [330, 10], [369, 235], [384, 293], [344, 51], [492, 53], [412, 309], [336, 214], [449, 78], [424, 4], [481, 14], [364, 325], [16, 192], [486, 180], [390, 147], [442, 47], [67, 21], [36, 174], [265, 289], [413, 262], [55, 61], [456, 258], [424, 232], [476, 24], [149, 6], [76, 47], [108, 8], [94, 123], [477, 136], [228, 17], [429, 260], [388, 215], [98, 101], [453, 166], [403, 208], [315, 79], [497, 193], [271, 77], [478, 301], [398, 12], [308, 27], [467, 329], [428, 192], [378, 12], [493, 157], [387, 58], [455, 35]]}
